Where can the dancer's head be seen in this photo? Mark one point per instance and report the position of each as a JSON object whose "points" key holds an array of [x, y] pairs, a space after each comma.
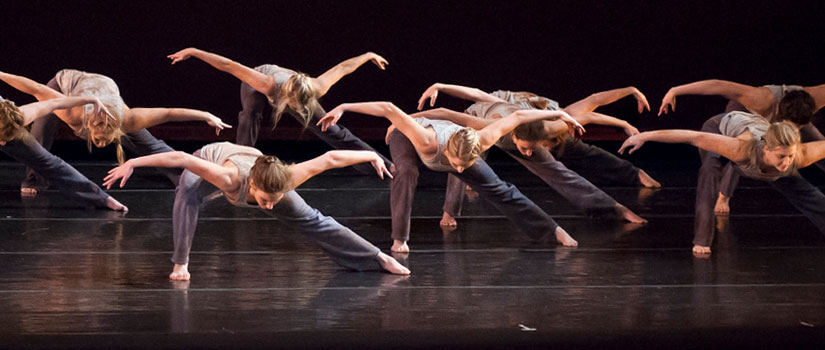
{"points": [[797, 107], [269, 179], [299, 95], [11, 122], [105, 130], [781, 144], [534, 134], [463, 148]]}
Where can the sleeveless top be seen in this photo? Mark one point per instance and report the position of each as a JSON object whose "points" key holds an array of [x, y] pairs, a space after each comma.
{"points": [[443, 130], [779, 92], [73, 82], [243, 157], [280, 74], [734, 124]]}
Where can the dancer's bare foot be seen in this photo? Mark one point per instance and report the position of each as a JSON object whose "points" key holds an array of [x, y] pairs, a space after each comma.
{"points": [[722, 205], [701, 251], [564, 238], [113, 204], [400, 246], [179, 273], [391, 265], [447, 221], [472, 195], [629, 215], [648, 181], [28, 192]]}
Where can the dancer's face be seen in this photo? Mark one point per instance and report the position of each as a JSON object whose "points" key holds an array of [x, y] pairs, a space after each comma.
{"points": [[526, 147], [265, 200], [457, 163], [780, 158]]}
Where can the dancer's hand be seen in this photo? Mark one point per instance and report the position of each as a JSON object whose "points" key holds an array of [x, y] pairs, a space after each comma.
{"points": [[216, 123], [431, 93], [641, 100], [576, 129], [123, 172], [181, 55], [100, 110], [331, 118], [668, 101], [380, 166], [630, 130], [379, 61], [634, 142]]}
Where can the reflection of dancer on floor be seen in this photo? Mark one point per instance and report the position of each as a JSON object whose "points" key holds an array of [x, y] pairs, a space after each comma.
{"points": [[116, 123], [287, 91], [18, 143], [249, 179], [762, 151], [774, 102], [530, 145], [447, 147]]}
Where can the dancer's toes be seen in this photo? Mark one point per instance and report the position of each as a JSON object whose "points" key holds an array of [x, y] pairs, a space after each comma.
{"points": [[179, 273], [471, 194], [701, 251], [629, 215], [648, 181], [722, 206], [113, 204], [28, 191], [391, 265], [564, 238], [447, 221], [400, 246]]}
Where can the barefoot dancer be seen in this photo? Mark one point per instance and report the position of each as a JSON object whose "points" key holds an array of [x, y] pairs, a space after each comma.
{"points": [[114, 124], [248, 179], [447, 147], [539, 160], [762, 151], [21, 145], [774, 102], [290, 91]]}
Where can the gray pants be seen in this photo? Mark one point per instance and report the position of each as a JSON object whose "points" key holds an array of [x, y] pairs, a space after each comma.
{"points": [[344, 246], [505, 197], [566, 182], [805, 197], [596, 164], [249, 124], [66, 179], [139, 143]]}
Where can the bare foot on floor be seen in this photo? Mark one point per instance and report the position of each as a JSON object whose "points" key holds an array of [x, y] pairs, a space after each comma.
{"points": [[471, 194], [722, 205], [447, 221], [648, 181], [564, 238], [28, 191], [113, 204], [700, 251], [391, 265], [400, 246], [179, 273], [629, 215]]}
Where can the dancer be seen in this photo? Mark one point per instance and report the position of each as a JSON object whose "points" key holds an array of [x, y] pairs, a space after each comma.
{"points": [[760, 150], [446, 147], [523, 145], [774, 102], [248, 178], [287, 91], [18, 143], [116, 123]]}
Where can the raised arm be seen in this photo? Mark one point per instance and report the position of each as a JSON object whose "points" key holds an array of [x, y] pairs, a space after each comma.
{"points": [[261, 82], [596, 100], [39, 91], [603, 119], [33, 111], [303, 171], [141, 118], [422, 139], [459, 118], [812, 152], [462, 92], [220, 176], [818, 93], [490, 134], [333, 75], [729, 147], [756, 99]]}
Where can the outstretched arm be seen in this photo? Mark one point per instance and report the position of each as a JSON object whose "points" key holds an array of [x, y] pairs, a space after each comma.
{"points": [[599, 99], [491, 133], [603, 119], [216, 174], [459, 118], [33, 111], [726, 146], [818, 93], [142, 118], [812, 152], [39, 91], [462, 92], [303, 171], [755, 99], [333, 75], [422, 139], [257, 80]]}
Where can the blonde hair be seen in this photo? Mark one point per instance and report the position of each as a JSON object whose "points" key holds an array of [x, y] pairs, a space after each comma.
{"points": [[779, 134], [11, 121], [271, 175], [464, 145], [106, 132], [297, 88]]}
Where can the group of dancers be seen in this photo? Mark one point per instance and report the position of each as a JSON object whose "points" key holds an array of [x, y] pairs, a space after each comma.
{"points": [[766, 134]]}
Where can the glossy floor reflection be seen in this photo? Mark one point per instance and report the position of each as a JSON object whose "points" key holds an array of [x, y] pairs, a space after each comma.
{"points": [[77, 277]]}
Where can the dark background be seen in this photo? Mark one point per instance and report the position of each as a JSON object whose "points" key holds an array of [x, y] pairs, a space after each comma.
{"points": [[561, 49]]}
